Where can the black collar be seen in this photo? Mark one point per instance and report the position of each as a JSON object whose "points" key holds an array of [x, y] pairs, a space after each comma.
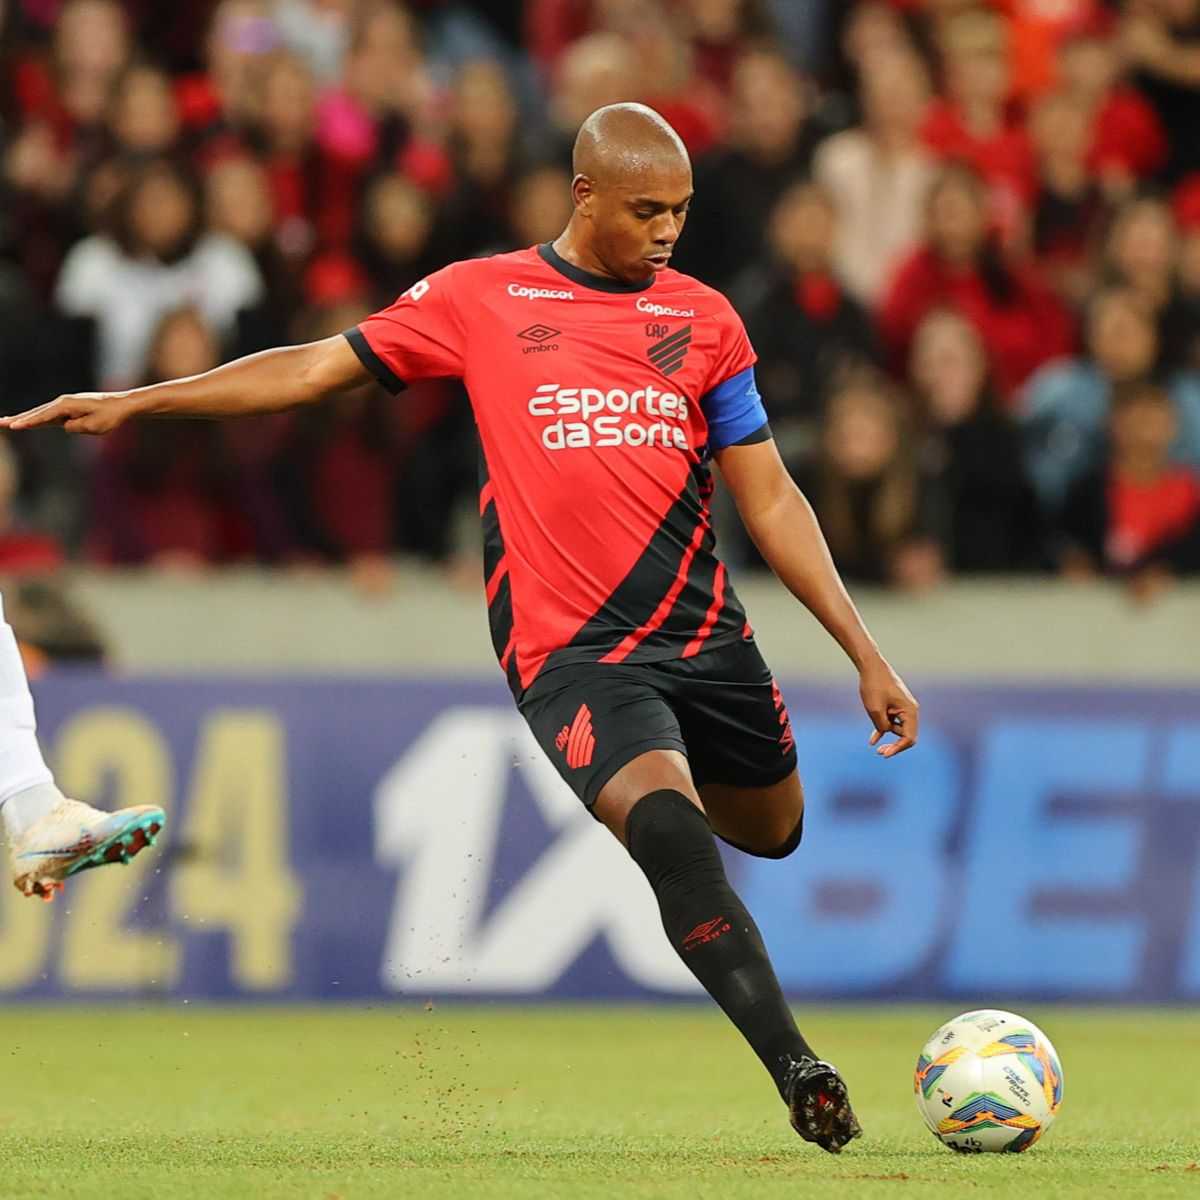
{"points": [[599, 283]]}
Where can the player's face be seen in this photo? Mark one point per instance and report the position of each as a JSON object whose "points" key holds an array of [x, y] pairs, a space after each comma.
{"points": [[637, 220]]}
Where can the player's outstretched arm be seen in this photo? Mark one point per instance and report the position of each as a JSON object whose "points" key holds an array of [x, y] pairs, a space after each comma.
{"points": [[271, 381], [784, 528]]}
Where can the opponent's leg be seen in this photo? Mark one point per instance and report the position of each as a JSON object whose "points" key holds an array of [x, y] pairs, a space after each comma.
{"points": [[49, 836], [652, 806]]}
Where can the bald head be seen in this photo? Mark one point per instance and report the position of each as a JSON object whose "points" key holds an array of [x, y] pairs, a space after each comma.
{"points": [[632, 188], [622, 141]]}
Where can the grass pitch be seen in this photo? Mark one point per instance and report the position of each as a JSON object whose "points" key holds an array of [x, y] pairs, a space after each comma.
{"points": [[544, 1103]]}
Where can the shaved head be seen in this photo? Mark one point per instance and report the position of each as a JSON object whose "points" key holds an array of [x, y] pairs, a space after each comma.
{"points": [[632, 188], [624, 140]]}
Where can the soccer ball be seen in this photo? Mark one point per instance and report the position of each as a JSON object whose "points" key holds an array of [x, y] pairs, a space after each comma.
{"points": [[988, 1081]]}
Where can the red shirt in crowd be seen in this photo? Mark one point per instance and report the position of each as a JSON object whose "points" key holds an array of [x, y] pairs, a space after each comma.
{"points": [[1146, 517], [1021, 332], [1126, 133]]}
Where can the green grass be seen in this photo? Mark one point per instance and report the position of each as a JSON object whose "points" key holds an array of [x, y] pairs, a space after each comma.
{"points": [[543, 1103]]}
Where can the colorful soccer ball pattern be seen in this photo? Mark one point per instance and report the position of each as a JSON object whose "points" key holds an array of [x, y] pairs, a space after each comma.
{"points": [[988, 1081]]}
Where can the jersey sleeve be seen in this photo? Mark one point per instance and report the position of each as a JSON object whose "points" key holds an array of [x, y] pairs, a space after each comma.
{"points": [[420, 336], [731, 404]]}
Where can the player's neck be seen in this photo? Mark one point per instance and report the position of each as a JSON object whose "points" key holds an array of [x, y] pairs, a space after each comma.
{"points": [[573, 250]]}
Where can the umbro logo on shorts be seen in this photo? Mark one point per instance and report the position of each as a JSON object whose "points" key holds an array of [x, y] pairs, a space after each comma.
{"points": [[668, 355], [577, 739]]}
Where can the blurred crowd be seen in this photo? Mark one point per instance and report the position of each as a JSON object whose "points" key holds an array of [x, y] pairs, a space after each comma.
{"points": [[964, 237]]}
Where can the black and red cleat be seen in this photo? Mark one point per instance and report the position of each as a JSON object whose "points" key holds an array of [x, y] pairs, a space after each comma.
{"points": [[818, 1105]]}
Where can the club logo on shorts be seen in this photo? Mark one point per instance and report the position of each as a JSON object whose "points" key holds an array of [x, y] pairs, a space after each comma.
{"points": [[709, 931], [668, 354], [577, 739]]}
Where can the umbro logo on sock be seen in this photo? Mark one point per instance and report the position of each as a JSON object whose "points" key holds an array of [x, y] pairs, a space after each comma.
{"points": [[708, 932]]}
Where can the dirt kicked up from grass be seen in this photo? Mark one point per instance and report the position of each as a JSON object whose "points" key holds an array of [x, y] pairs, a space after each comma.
{"points": [[496, 1103]]}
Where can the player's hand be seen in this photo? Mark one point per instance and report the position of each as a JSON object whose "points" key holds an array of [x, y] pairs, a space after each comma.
{"points": [[83, 412], [891, 707]]}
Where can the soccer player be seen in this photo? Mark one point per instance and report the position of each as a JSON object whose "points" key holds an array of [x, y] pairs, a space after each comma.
{"points": [[603, 383], [49, 836]]}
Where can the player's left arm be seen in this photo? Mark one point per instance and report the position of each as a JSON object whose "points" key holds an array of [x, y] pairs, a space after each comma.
{"points": [[783, 526]]}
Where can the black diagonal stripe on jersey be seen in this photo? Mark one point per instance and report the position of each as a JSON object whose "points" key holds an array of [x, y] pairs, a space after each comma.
{"points": [[500, 611], [690, 609], [669, 345], [636, 598]]}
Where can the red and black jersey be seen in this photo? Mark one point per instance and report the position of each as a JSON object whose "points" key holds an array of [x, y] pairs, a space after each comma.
{"points": [[597, 404]]}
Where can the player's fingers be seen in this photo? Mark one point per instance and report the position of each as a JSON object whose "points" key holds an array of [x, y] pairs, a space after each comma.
{"points": [[905, 742], [876, 734], [53, 413]]}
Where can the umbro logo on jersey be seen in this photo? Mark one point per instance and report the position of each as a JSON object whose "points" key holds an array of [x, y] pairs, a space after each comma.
{"points": [[538, 333], [668, 355], [542, 337]]}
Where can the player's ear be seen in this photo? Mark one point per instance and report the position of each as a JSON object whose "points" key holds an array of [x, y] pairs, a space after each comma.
{"points": [[583, 192]]}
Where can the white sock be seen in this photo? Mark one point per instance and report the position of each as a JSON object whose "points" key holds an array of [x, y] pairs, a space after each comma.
{"points": [[24, 776]]}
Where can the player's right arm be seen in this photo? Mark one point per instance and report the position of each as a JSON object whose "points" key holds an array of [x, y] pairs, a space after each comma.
{"points": [[272, 381]]}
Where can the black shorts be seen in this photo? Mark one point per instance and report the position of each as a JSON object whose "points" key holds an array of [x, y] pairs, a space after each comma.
{"points": [[721, 707]]}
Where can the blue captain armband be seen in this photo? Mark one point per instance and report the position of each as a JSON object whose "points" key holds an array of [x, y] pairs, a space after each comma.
{"points": [[733, 410]]}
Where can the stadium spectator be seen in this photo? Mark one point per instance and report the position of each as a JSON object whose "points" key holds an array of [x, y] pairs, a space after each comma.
{"points": [[1137, 515], [1140, 251], [142, 117], [594, 71], [972, 450], [721, 31], [961, 266], [24, 550], [281, 131], [878, 175], [1037, 33], [169, 494], [486, 156], [973, 122], [337, 470], [58, 104], [871, 498], [770, 146], [1066, 405], [395, 240], [1161, 39], [381, 112], [238, 205], [808, 331], [540, 206], [1183, 336], [1070, 210], [318, 31], [220, 99], [156, 258], [1128, 142], [70, 91], [664, 65]]}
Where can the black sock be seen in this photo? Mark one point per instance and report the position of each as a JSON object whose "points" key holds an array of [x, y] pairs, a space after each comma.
{"points": [[709, 926]]}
